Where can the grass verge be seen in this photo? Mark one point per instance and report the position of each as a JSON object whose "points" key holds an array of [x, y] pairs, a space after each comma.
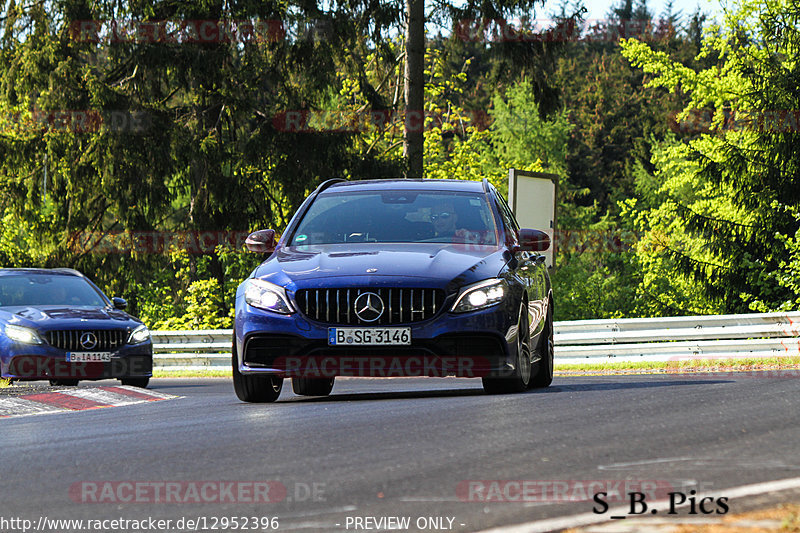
{"points": [[689, 365], [158, 373], [654, 367]]}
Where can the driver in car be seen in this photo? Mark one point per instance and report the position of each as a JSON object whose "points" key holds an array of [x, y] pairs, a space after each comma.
{"points": [[445, 224], [444, 218]]}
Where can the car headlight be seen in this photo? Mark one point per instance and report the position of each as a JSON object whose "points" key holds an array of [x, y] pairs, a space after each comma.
{"points": [[23, 335], [140, 334], [480, 295], [266, 295]]}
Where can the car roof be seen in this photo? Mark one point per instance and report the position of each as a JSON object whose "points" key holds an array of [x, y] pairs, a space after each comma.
{"points": [[42, 271], [406, 184]]}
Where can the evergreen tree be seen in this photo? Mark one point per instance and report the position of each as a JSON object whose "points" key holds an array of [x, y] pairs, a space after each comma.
{"points": [[749, 155]]}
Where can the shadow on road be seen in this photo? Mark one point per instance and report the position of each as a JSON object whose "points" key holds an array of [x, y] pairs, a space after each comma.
{"points": [[444, 393], [558, 387], [389, 395]]}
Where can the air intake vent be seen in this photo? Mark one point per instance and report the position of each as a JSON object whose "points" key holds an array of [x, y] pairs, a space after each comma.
{"points": [[394, 306]]}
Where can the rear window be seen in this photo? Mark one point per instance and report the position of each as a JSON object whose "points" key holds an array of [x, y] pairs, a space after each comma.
{"points": [[397, 217], [41, 289]]}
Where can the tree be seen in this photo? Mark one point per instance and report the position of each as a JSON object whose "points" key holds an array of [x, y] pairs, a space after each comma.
{"points": [[531, 48], [743, 168], [201, 146], [414, 90]]}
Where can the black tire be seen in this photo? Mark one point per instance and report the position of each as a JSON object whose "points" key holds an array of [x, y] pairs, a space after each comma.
{"points": [[312, 386], [64, 382], [545, 347], [136, 382], [520, 380], [254, 389]]}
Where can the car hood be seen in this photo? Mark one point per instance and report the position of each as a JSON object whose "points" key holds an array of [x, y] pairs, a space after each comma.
{"points": [[436, 264], [56, 317]]}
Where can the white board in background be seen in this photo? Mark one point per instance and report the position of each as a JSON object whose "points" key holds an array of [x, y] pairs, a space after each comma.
{"points": [[532, 198]]}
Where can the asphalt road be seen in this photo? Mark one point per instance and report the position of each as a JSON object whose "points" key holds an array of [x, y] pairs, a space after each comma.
{"points": [[426, 449]]}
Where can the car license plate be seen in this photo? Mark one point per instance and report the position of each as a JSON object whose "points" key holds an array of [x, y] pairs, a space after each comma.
{"points": [[88, 357], [368, 336]]}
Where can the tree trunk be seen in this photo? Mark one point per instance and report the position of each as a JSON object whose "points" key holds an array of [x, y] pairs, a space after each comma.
{"points": [[414, 88]]}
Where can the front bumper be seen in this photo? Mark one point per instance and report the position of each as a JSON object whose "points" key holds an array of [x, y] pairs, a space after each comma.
{"points": [[477, 344], [26, 362]]}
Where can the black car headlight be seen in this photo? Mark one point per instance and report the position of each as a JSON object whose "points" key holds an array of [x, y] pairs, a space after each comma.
{"points": [[266, 295], [480, 295], [23, 335], [139, 335]]}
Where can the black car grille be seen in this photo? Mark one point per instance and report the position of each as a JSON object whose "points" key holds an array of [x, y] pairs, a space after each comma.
{"points": [[70, 340], [400, 306]]}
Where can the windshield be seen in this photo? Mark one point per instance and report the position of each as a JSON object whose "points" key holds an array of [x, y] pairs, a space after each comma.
{"points": [[397, 216], [43, 289]]}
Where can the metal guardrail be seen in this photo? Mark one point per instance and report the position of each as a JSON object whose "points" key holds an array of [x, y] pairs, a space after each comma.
{"points": [[675, 338], [579, 341], [192, 350]]}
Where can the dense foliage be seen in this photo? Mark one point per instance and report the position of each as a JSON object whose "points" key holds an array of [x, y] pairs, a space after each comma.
{"points": [[136, 149], [727, 201]]}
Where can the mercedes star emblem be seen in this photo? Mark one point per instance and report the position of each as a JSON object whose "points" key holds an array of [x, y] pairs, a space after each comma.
{"points": [[369, 307], [88, 340]]}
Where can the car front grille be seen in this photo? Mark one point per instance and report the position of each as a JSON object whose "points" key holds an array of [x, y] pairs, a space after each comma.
{"points": [[70, 340], [399, 306]]}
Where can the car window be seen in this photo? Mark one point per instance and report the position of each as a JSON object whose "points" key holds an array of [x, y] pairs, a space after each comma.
{"points": [[397, 216], [39, 289], [512, 227]]}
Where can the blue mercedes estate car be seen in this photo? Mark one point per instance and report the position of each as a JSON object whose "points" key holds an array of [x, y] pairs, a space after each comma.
{"points": [[56, 324], [395, 278]]}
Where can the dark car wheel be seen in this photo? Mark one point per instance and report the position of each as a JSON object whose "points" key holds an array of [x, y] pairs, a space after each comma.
{"points": [[545, 348], [64, 382], [254, 389], [136, 382], [312, 386], [520, 380]]}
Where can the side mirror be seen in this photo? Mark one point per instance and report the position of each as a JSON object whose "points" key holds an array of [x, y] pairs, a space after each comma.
{"points": [[533, 240], [119, 303], [261, 241]]}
